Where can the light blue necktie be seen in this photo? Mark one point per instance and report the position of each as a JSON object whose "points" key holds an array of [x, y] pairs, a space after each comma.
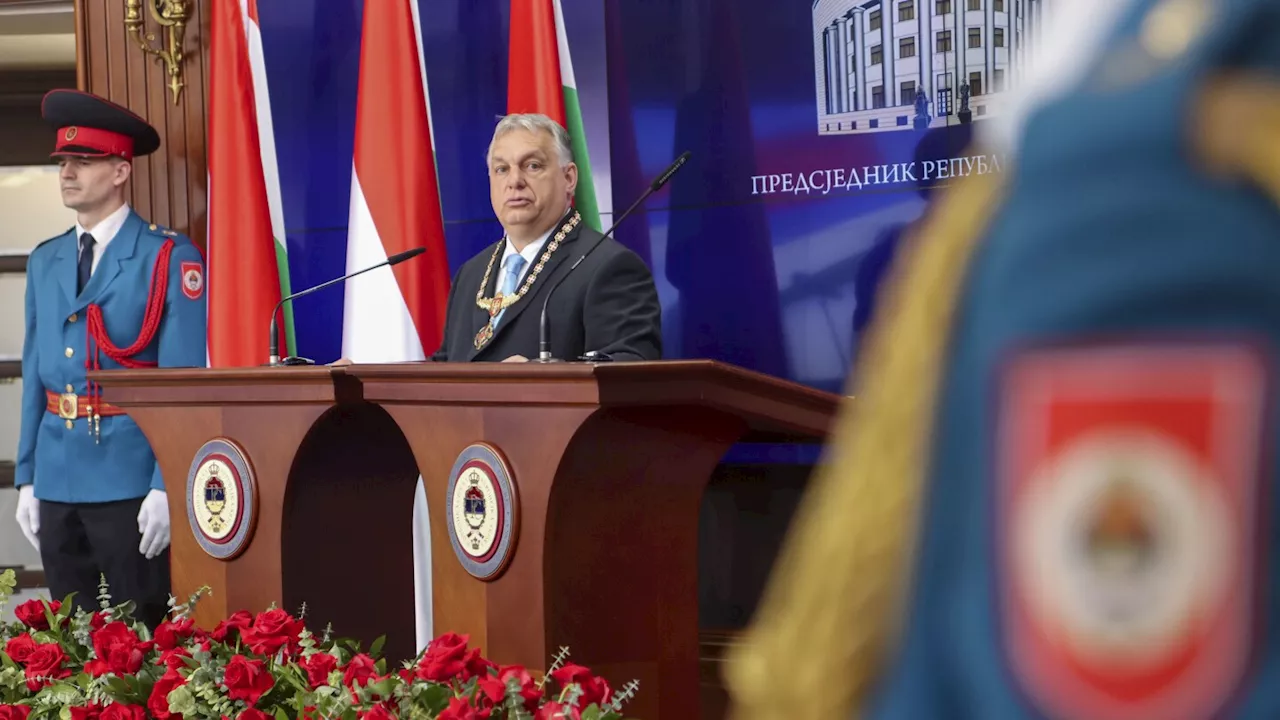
{"points": [[510, 278]]}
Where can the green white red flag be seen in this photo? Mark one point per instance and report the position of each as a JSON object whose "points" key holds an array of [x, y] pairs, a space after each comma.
{"points": [[248, 267], [540, 79]]}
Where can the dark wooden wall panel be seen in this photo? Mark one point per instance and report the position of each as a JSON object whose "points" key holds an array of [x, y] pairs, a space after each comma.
{"points": [[169, 187]]}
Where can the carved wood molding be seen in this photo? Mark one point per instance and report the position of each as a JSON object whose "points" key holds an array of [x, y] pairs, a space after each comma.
{"points": [[168, 187]]}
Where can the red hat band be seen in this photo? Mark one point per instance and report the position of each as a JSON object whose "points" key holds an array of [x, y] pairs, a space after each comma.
{"points": [[76, 139]]}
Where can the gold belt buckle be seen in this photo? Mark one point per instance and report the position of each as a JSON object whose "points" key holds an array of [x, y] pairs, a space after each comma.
{"points": [[68, 406]]}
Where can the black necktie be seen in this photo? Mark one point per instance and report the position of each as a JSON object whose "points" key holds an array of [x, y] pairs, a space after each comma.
{"points": [[85, 267]]}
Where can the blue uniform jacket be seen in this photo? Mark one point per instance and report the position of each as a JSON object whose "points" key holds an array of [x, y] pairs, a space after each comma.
{"points": [[66, 464], [1110, 232]]}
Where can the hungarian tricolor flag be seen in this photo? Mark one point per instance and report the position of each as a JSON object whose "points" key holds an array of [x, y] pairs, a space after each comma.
{"points": [[393, 314], [248, 268], [540, 80], [396, 314]]}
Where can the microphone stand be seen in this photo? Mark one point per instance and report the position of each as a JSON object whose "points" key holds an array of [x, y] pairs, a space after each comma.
{"points": [[274, 359], [544, 344]]}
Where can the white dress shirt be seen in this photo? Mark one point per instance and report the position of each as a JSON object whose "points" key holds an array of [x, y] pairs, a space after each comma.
{"points": [[530, 255], [103, 233]]}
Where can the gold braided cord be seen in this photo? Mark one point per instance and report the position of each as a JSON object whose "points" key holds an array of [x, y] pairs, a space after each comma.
{"points": [[1236, 128], [824, 624]]}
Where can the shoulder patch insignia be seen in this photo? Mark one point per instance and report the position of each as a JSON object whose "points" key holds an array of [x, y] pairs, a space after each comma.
{"points": [[1127, 524], [192, 280]]}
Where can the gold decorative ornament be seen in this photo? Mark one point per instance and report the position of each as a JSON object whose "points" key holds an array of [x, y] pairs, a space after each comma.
{"points": [[500, 302], [172, 16]]}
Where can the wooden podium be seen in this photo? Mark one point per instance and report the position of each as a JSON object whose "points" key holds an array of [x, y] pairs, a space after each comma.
{"points": [[608, 463]]}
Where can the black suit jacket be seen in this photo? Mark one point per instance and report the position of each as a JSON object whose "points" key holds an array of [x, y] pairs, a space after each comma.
{"points": [[608, 304]]}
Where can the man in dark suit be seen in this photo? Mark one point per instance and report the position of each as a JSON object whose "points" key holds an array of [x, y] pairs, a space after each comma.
{"points": [[607, 304]]}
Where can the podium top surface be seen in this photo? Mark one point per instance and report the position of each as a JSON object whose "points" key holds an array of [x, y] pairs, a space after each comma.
{"points": [[771, 406]]}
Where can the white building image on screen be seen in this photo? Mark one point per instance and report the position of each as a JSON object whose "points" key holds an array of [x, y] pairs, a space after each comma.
{"points": [[885, 65]]}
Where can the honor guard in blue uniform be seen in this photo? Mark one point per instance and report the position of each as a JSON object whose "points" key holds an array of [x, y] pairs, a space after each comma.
{"points": [[115, 291], [1055, 493]]}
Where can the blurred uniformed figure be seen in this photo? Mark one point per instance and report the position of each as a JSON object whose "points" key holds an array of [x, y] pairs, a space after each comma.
{"points": [[1054, 495], [114, 291]]}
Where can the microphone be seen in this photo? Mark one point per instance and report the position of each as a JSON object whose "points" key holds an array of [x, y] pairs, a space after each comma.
{"points": [[544, 344], [275, 359]]}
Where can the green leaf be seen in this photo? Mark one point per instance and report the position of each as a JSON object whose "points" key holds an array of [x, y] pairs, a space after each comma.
{"points": [[7, 661], [118, 688], [281, 714], [376, 647], [297, 682], [62, 693], [126, 610], [181, 701], [385, 687], [436, 697]]}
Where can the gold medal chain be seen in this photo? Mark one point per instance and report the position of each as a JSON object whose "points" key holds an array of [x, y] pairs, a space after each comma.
{"points": [[499, 301]]}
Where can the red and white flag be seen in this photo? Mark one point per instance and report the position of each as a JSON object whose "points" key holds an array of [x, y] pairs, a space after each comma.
{"points": [[393, 314], [396, 314]]}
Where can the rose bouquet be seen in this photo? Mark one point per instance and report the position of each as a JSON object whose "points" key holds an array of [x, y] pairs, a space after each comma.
{"points": [[65, 665]]}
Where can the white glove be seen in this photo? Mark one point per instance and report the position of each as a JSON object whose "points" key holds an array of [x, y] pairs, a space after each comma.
{"points": [[153, 523], [29, 514]]}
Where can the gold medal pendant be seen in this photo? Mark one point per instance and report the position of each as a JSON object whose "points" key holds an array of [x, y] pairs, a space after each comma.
{"points": [[484, 336]]}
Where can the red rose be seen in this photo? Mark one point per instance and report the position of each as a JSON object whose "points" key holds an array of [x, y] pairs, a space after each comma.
{"points": [[557, 711], [448, 643], [595, 691], [476, 666], [247, 679], [271, 631], [360, 671], [491, 689], [119, 651], [31, 613], [318, 667], [14, 712], [445, 659], [379, 712], [236, 624], [98, 620], [158, 703], [528, 688], [253, 714], [45, 665], [171, 634], [20, 648], [173, 659], [116, 711], [459, 710], [91, 711]]}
